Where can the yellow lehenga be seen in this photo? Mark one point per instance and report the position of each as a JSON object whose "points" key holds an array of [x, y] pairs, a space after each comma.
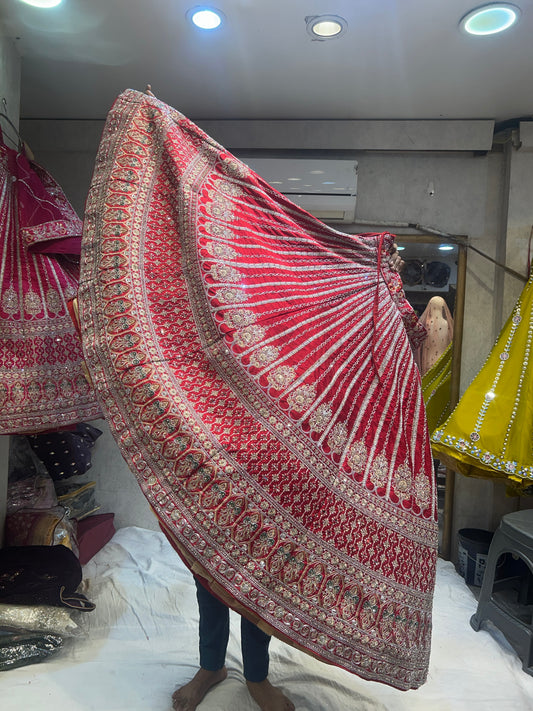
{"points": [[436, 390], [489, 434]]}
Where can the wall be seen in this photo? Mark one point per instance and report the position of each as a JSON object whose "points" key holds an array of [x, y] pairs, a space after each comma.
{"points": [[10, 91], [474, 196]]}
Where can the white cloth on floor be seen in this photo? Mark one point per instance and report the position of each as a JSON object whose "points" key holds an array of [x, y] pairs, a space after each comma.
{"points": [[141, 643]]}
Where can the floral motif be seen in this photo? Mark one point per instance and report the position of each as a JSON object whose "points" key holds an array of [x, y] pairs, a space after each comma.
{"points": [[379, 471], [281, 377], [461, 445], [10, 302], [249, 336], [229, 189], [320, 418], [230, 296], [357, 456], [53, 301], [403, 481], [238, 319], [302, 397], [220, 250], [337, 437], [422, 489], [224, 273], [264, 356]]}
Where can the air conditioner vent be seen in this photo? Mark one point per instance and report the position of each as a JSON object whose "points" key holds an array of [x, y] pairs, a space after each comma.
{"points": [[325, 188]]}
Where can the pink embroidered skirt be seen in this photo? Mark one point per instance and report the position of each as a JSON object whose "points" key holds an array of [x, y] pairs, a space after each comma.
{"points": [[42, 381], [255, 370]]}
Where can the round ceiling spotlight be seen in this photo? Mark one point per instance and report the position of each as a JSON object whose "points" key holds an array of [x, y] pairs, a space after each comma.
{"points": [[490, 19], [324, 27], [205, 18]]}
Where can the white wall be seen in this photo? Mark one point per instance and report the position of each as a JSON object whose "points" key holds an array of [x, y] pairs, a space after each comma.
{"points": [[473, 197], [10, 91]]}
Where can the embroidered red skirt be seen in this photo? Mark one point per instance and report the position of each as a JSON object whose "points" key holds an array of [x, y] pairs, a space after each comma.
{"points": [[255, 370], [42, 381]]}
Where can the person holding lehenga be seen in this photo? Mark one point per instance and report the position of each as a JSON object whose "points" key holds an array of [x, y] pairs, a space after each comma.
{"points": [[256, 369]]}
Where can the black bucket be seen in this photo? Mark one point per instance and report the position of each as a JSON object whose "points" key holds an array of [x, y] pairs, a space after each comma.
{"points": [[473, 549]]}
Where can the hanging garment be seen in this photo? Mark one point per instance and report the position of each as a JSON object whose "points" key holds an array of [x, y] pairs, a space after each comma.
{"points": [[255, 371], [42, 386], [436, 390], [489, 432], [438, 322]]}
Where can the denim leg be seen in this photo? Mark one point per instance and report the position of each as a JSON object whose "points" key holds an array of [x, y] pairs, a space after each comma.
{"points": [[214, 629], [254, 646]]}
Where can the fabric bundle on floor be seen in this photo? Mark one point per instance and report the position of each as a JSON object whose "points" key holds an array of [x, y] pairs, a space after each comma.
{"points": [[255, 369]]}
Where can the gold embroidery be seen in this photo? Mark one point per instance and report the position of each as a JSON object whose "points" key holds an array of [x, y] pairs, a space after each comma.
{"points": [[237, 319], [264, 356], [230, 296], [337, 438], [320, 418], [379, 471], [249, 336], [302, 397], [281, 377], [224, 273], [357, 455]]}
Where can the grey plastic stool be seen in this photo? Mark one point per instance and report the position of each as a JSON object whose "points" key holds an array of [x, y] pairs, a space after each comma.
{"points": [[508, 602]]}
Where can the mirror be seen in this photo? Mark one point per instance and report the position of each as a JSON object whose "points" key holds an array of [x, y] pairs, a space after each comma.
{"points": [[434, 283]]}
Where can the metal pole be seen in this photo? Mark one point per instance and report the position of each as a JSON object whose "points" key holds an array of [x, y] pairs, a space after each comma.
{"points": [[458, 320]]}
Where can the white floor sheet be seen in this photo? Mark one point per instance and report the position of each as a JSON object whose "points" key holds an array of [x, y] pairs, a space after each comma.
{"points": [[141, 643]]}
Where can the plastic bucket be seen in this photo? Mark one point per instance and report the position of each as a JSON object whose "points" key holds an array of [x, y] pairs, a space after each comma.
{"points": [[473, 549]]}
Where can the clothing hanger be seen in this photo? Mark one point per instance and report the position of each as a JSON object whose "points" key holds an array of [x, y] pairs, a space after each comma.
{"points": [[21, 146], [3, 114]]}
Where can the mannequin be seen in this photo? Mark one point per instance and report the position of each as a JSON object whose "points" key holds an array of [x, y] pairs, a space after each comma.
{"points": [[438, 322]]}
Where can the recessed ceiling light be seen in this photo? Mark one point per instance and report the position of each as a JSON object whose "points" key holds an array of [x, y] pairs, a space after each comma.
{"points": [[325, 27], [206, 18], [42, 3], [490, 19]]}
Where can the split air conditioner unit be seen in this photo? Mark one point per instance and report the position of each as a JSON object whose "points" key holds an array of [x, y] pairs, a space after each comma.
{"points": [[327, 188]]}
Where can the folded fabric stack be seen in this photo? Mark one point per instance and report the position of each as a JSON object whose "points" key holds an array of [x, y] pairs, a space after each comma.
{"points": [[38, 600], [51, 531]]}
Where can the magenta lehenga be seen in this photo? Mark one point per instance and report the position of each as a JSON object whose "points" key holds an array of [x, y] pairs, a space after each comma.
{"points": [[255, 369], [42, 381]]}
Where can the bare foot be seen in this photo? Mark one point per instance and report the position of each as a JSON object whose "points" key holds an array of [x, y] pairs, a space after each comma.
{"points": [[268, 697], [187, 697]]}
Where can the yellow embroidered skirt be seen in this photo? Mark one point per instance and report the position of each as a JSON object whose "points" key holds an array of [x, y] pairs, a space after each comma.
{"points": [[489, 433]]}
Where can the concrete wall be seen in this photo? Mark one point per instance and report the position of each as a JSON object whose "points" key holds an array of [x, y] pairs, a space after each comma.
{"points": [[484, 196], [10, 91]]}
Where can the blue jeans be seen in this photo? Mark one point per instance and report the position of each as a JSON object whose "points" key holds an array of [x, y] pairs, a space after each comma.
{"points": [[214, 636]]}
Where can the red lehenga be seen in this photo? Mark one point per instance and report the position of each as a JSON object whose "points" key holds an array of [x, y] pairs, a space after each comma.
{"points": [[42, 386], [254, 368]]}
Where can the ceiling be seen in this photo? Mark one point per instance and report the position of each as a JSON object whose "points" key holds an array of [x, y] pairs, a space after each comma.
{"points": [[399, 59]]}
